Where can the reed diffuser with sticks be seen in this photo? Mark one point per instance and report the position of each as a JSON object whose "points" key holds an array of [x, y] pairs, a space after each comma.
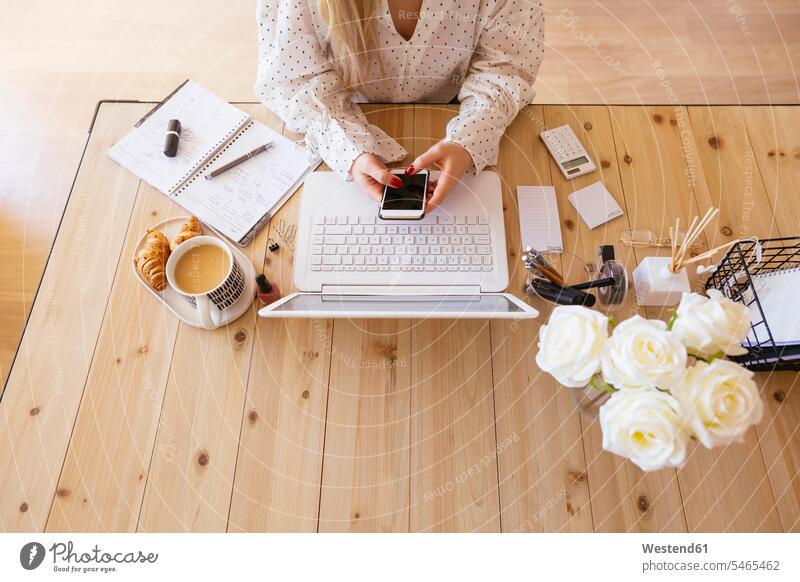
{"points": [[696, 228], [661, 281]]}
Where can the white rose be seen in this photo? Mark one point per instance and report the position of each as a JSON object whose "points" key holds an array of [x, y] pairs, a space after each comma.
{"points": [[720, 401], [571, 343], [708, 325], [641, 352], [645, 426]]}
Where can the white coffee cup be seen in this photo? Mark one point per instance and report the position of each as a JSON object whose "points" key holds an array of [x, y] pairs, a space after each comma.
{"points": [[212, 304]]}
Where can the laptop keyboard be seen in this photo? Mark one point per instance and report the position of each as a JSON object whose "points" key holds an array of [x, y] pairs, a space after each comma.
{"points": [[435, 243]]}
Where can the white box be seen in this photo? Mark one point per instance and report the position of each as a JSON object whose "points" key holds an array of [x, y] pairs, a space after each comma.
{"points": [[655, 284]]}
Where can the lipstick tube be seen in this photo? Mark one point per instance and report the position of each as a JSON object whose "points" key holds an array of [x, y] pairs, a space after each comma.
{"points": [[172, 138]]}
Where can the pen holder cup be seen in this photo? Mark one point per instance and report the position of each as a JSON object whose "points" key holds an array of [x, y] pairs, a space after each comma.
{"points": [[655, 284]]}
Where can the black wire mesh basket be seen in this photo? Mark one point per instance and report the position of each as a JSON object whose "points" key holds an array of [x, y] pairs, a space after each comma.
{"points": [[736, 277]]}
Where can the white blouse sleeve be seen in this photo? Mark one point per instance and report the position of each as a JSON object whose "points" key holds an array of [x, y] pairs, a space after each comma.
{"points": [[296, 81], [500, 77]]}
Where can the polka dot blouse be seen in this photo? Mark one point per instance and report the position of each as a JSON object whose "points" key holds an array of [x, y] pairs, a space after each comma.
{"points": [[485, 52]]}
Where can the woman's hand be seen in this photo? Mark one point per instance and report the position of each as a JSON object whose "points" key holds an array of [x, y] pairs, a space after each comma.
{"points": [[370, 171], [452, 159]]}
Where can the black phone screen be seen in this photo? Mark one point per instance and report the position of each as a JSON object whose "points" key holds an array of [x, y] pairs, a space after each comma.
{"points": [[408, 197]]}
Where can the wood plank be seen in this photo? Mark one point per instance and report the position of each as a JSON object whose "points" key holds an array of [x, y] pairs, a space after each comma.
{"points": [[779, 437], [652, 165], [202, 418], [365, 484], [543, 485], [398, 122], [658, 185], [279, 465], [44, 389], [663, 179], [104, 474], [454, 481], [776, 148], [279, 461], [365, 478], [722, 149], [772, 132], [727, 489]]}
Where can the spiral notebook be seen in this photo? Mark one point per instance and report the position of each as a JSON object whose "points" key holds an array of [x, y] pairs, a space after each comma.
{"points": [[777, 292], [236, 203]]}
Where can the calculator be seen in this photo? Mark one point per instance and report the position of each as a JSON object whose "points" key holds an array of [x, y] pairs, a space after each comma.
{"points": [[567, 151]]}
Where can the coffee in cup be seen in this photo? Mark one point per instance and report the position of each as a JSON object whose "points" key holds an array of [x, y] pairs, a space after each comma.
{"points": [[204, 270]]}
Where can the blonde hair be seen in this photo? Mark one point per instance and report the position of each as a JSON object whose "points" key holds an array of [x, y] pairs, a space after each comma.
{"points": [[352, 36]]}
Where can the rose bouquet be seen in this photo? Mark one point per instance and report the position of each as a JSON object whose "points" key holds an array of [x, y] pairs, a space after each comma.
{"points": [[669, 383]]}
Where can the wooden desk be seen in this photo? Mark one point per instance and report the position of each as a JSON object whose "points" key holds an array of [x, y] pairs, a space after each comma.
{"points": [[117, 418]]}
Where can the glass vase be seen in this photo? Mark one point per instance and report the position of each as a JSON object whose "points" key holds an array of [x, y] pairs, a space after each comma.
{"points": [[588, 400]]}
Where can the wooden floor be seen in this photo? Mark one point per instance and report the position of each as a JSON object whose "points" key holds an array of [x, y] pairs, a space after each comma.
{"points": [[117, 418], [57, 59]]}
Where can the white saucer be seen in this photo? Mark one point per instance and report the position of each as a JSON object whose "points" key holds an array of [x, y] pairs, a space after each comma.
{"points": [[176, 302]]}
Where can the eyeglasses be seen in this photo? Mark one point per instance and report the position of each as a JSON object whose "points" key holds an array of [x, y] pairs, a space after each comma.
{"points": [[641, 237]]}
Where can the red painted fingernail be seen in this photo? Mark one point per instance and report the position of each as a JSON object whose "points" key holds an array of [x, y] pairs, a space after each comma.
{"points": [[409, 170], [397, 182]]}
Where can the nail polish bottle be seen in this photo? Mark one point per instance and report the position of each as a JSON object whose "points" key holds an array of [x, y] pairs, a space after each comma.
{"points": [[267, 292]]}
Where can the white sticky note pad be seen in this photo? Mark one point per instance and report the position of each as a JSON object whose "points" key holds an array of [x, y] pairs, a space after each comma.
{"points": [[538, 218], [595, 204]]}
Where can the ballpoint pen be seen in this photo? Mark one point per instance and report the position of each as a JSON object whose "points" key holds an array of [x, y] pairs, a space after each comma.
{"points": [[237, 161], [535, 259]]}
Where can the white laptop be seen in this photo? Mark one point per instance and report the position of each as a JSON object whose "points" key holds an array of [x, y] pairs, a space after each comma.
{"points": [[451, 264]]}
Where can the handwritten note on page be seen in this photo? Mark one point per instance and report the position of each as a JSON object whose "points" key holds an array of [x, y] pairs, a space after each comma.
{"points": [[234, 201], [207, 122]]}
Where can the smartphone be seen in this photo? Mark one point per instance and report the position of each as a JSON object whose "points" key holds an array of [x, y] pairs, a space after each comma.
{"points": [[408, 201]]}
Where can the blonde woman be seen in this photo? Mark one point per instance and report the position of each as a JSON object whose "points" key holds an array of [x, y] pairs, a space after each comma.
{"points": [[318, 58]]}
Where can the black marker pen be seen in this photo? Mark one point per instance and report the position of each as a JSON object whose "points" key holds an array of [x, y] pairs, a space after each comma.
{"points": [[561, 295]]}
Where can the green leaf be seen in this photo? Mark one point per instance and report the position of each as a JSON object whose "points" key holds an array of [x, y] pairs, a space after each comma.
{"points": [[699, 357], [672, 320], [599, 385]]}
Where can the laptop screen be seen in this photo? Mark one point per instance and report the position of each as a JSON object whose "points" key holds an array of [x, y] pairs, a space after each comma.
{"points": [[454, 306]]}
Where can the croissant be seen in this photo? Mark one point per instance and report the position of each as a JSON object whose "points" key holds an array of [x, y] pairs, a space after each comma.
{"points": [[189, 229], [151, 260]]}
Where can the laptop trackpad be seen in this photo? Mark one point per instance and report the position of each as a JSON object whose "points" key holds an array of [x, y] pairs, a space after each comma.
{"points": [[478, 306]]}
